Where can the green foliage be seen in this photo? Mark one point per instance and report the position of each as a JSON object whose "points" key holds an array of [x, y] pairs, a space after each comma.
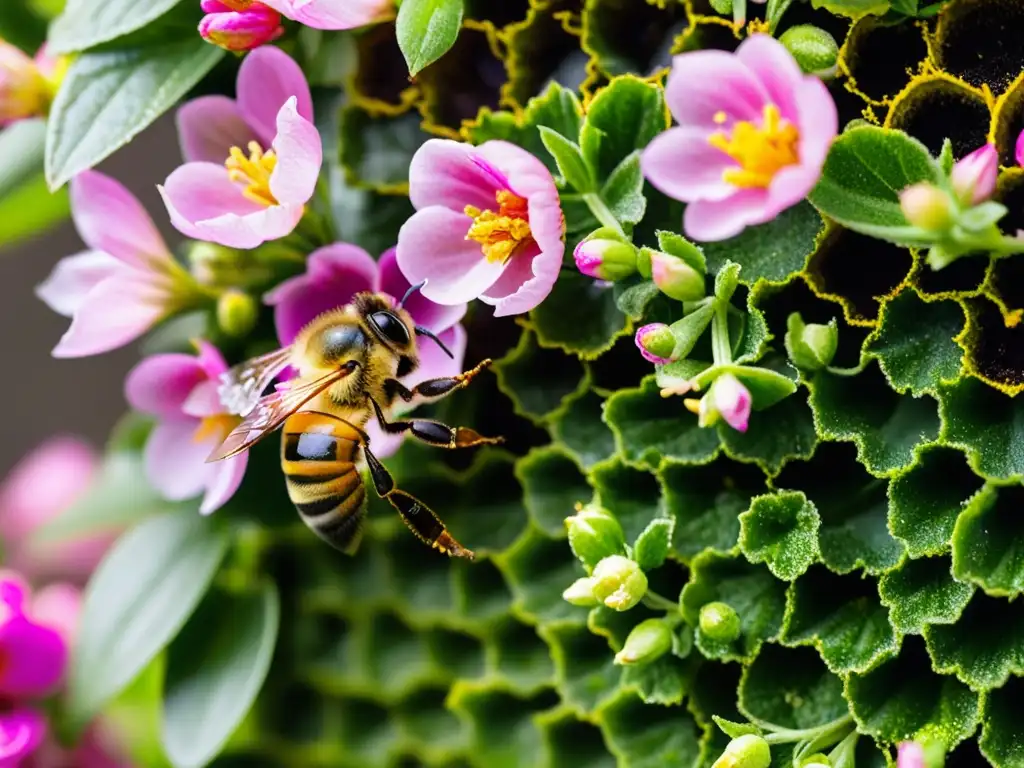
{"points": [[427, 29]]}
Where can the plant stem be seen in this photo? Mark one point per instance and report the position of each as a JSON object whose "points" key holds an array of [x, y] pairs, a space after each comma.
{"points": [[721, 349], [819, 734], [603, 213], [657, 602]]}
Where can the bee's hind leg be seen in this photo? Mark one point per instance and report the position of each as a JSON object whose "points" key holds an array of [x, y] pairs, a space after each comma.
{"points": [[434, 432], [422, 521]]}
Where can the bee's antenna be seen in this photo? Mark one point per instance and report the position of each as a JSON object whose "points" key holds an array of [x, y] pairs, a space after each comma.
{"points": [[410, 292], [421, 331]]}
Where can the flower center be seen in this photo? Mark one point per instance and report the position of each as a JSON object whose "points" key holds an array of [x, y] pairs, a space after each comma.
{"points": [[501, 234], [761, 151], [215, 426], [253, 171]]}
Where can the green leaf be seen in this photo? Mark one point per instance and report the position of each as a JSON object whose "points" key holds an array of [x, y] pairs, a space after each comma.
{"points": [[689, 329], [735, 730], [987, 424], [109, 98], [727, 279], [623, 193], [426, 30], [569, 158], [914, 342], [774, 436], [136, 602], [904, 699], [537, 380], [1002, 733], [31, 209], [773, 251], [652, 545], [988, 541], [579, 316], [641, 736], [664, 681], [678, 246], [21, 154], [624, 116], [87, 23], [853, 8], [215, 669], [579, 428], [866, 169], [649, 427], [781, 530], [792, 688], [841, 617], [923, 592], [634, 294], [925, 502], [552, 486]]}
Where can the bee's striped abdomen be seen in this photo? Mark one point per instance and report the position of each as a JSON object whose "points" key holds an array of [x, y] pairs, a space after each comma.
{"points": [[318, 456]]}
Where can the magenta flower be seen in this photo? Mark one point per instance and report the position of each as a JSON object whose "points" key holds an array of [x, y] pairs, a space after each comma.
{"points": [[974, 177], [239, 25], [125, 284], [40, 487], [22, 730], [727, 399], [181, 391], [334, 274], [335, 14], [751, 141], [34, 655], [488, 225], [243, 198]]}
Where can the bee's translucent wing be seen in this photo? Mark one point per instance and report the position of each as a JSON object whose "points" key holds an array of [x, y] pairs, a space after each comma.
{"points": [[241, 386], [270, 413]]}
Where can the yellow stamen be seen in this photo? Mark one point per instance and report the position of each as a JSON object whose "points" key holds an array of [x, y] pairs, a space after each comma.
{"points": [[692, 404], [501, 234], [760, 151], [720, 117], [215, 426], [253, 171]]}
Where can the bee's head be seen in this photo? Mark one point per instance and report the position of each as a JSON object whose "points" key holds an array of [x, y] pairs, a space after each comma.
{"points": [[391, 325]]}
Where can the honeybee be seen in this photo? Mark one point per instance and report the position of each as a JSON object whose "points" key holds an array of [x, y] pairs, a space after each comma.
{"points": [[349, 362]]}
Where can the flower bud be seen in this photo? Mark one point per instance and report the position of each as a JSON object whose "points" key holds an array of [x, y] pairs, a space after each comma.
{"points": [[719, 622], [619, 583], [727, 399], [811, 346], [910, 754], [675, 278], [581, 592], [746, 751], [974, 177], [814, 49], [605, 258], [648, 640], [656, 342], [236, 312], [594, 535], [926, 206], [238, 26], [817, 760], [24, 91]]}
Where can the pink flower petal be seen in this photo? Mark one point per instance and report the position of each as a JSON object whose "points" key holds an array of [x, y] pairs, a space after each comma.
{"points": [[704, 83], [334, 14], [443, 173], [210, 359], [436, 317], [114, 313], [299, 155], [334, 274], [432, 244], [73, 277], [110, 219], [777, 70], [175, 461], [203, 400], [34, 658], [161, 384], [58, 607], [22, 731], [267, 78], [713, 220], [208, 127], [681, 163], [526, 282], [222, 481], [382, 444]]}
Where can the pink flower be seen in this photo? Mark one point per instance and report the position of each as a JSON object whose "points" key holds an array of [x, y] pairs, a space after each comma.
{"points": [[239, 25], [41, 486], [726, 399], [488, 225], [27, 86], [910, 754], [125, 284], [181, 391], [227, 196], [22, 730], [655, 342], [752, 137], [335, 14], [334, 274], [33, 654], [974, 177]]}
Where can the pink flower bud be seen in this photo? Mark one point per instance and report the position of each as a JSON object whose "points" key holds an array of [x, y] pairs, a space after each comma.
{"points": [[926, 206], [727, 399], [238, 26], [605, 259], [974, 177], [656, 342], [24, 91], [910, 754], [675, 278]]}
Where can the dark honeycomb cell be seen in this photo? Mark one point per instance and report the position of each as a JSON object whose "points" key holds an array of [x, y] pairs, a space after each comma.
{"points": [[994, 351], [849, 105], [708, 33], [1009, 122], [628, 35], [881, 57], [1010, 192], [936, 108], [858, 269], [963, 275], [540, 49], [1006, 281], [382, 78], [467, 78], [981, 41], [500, 13]]}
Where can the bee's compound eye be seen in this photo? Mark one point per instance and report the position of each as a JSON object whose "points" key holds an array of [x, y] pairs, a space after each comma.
{"points": [[391, 327], [340, 341]]}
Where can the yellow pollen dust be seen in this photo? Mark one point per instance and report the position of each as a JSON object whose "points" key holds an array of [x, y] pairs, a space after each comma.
{"points": [[760, 151], [215, 426], [253, 171], [500, 234]]}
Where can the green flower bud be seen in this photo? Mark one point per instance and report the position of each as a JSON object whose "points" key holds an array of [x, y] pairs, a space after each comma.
{"points": [[619, 583], [648, 640], [605, 256], [747, 751], [814, 49], [594, 535], [656, 343], [236, 312], [214, 264], [928, 207], [817, 760], [811, 347], [718, 621], [581, 592], [675, 278]]}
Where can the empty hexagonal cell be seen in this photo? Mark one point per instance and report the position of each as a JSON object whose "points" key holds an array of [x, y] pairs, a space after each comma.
{"points": [[502, 726], [569, 743], [544, 46], [995, 350], [625, 36], [880, 58], [381, 81], [979, 41], [936, 107], [469, 76], [520, 657]]}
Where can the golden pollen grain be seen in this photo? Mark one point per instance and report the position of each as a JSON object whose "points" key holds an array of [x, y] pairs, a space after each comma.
{"points": [[761, 151], [500, 234]]}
